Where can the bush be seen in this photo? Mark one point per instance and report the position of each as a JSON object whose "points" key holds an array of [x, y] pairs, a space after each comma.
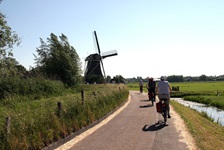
{"points": [[31, 88]]}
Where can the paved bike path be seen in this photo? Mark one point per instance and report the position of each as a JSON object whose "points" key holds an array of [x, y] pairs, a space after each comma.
{"points": [[134, 128]]}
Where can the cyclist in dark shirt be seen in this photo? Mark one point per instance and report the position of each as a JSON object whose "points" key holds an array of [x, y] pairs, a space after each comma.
{"points": [[151, 86]]}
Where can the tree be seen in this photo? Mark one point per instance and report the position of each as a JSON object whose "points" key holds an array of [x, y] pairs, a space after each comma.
{"points": [[202, 78], [108, 78], [93, 78], [59, 60], [119, 79], [8, 39], [175, 78]]}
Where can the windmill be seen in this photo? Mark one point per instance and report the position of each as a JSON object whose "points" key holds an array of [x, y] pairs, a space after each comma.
{"points": [[93, 72]]}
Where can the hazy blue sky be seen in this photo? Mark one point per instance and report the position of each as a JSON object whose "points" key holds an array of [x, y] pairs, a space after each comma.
{"points": [[152, 37]]}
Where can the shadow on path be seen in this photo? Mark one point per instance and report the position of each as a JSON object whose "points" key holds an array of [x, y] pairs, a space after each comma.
{"points": [[139, 93], [146, 106], [157, 126], [145, 100]]}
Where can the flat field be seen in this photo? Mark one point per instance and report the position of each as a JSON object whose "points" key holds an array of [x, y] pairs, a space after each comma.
{"points": [[209, 93], [198, 87]]}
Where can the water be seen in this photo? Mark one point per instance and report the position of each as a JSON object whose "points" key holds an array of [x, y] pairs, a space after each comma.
{"points": [[213, 112]]}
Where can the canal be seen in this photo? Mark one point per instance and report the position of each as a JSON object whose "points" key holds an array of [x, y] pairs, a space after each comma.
{"points": [[213, 112]]}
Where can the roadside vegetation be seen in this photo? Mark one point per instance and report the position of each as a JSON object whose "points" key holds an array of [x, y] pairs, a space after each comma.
{"points": [[36, 123], [208, 135]]}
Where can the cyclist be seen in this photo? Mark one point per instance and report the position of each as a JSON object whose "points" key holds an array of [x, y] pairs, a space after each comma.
{"points": [[141, 85], [151, 86], [163, 89]]}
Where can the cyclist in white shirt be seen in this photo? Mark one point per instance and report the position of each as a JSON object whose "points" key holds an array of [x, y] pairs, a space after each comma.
{"points": [[163, 89]]}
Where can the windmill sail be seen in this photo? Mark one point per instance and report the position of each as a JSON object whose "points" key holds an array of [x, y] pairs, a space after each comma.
{"points": [[109, 53], [98, 48], [96, 43]]}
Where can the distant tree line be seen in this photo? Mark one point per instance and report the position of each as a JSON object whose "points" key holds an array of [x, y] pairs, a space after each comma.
{"points": [[181, 78]]}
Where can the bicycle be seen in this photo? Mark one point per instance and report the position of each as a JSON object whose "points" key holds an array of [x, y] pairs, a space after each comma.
{"points": [[162, 108], [151, 95], [141, 89]]}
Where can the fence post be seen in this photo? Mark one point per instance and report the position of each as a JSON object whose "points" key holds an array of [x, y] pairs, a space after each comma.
{"points": [[8, 124], [82, 96], [59, 109]]}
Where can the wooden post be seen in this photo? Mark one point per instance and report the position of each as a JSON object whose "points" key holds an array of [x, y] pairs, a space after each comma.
{"points": [[59, 112], [8, 123], [82, 96]]}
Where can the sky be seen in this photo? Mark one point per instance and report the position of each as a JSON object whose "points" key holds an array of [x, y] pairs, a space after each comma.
{"points": [[152, 37]]}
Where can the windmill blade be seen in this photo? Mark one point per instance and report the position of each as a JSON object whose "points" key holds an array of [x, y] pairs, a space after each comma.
{"points": [[85, 68], [103, 68], [95, 39], [109, 53]]}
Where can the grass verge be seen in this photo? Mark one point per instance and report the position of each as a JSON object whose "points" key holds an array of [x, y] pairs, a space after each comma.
{"points": [[207, 134]]}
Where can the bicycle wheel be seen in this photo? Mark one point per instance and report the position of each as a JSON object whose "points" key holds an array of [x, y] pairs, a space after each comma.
{"points": [[164, 111], [152, 101]]}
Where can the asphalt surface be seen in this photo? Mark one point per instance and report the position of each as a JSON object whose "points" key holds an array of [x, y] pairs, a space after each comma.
{"points": [[138, 126]]}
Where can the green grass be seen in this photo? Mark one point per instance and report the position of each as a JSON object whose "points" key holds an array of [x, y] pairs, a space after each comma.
{"points": [[195, 87], [207, 134], [37, 123], [200, 86], [216, 101], [209, 93], [135, 86]]}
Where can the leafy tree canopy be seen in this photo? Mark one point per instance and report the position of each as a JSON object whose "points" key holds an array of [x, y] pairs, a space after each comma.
{"points": [[56, 58], [108, 78], [8, 39], [118, 79]]}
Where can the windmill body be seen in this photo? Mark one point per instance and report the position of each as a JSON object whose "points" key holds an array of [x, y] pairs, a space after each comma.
{"points": [[93, 72], [93, 66]]}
